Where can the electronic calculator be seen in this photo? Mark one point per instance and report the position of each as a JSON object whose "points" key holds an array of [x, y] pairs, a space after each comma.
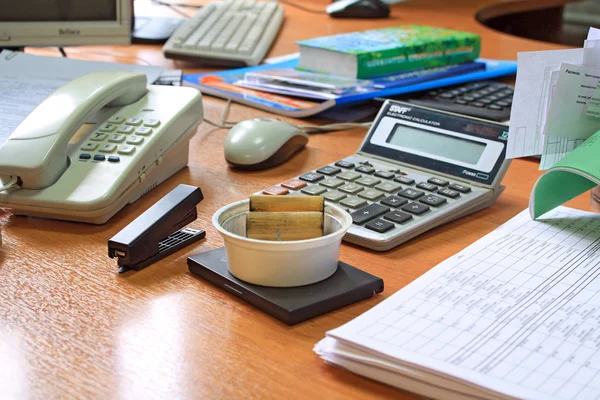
{"points": [[417, 168], [485, 99]]}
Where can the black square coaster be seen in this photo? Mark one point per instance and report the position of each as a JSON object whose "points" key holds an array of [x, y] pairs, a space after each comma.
{"points": [[291, 305]]}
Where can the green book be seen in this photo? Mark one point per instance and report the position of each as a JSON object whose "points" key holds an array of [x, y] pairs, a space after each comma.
{"points": [[386, 51], [575, 173]]}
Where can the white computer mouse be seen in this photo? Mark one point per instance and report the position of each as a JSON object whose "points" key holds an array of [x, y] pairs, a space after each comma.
{"points": [[262, 143]]}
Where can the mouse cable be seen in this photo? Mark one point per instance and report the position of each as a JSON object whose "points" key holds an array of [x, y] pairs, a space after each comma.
{"points": [[299, 7], [338, 126]]}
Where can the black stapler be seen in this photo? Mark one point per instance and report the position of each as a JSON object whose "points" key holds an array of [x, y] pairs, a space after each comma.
{"points": [[159, 231]]}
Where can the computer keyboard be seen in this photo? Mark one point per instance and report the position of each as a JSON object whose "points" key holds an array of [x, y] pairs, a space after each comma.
{"points": [[229, 33]]}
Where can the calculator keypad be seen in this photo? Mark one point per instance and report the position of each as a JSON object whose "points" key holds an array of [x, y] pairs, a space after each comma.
{"points": [[119, 135], [382, 201]]}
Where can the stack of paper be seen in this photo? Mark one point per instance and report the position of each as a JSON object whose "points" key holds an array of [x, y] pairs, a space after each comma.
{"points": [[515, 315], [556, 105]]}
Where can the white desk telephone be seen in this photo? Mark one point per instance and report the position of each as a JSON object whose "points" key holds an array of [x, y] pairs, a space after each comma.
{"points": [[140, 137]]}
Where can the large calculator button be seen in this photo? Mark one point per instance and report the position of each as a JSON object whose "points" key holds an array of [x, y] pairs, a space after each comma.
{"points": [[293, 184], [353, 202], [394, 201], [368, 213], [365, 169], [427, 186], [332, 183], [344, 164], [368, 181], [380, 226], [433, 200], [438, 181], [398, 217], [415, 208], [334, 195], [349, 176], [351, 188], [411, 194], [453, 194], [384, 174], [404, 180], [329, 170], [389, 187], [276, 191], [312, 177], [371, 194], [314, 190], [460, 188]]}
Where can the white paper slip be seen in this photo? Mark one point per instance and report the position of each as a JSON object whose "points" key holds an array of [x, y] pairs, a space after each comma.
{"points": [[567, 116], [532, 90], [514, 315], [593, 34], [26, 80], [555, 148]]}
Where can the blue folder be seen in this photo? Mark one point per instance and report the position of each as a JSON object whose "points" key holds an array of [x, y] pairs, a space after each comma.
{"points": [[220, 84]]}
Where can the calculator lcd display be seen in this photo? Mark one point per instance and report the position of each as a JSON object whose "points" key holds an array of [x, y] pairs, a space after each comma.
{"points": [[437, 144]]}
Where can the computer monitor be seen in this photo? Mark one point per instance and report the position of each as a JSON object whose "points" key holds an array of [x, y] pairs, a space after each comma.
{"points": [[64, 22]]}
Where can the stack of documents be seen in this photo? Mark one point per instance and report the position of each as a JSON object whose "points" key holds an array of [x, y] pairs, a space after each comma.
{"points": [[556, 105], [515, 315]]}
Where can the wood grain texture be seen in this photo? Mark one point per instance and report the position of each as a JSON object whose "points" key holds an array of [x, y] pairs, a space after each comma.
{"points": [[72, 328]]}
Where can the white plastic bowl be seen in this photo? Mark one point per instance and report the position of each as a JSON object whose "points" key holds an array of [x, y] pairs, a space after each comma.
{"points": [[280, 263]]}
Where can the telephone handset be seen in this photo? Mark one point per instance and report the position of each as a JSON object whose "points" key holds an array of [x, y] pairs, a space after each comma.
{"points": [[141, 137], [36, 152]]}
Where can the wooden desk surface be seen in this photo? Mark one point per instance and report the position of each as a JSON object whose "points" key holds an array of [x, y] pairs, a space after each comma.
{"points": [[70, 327]]}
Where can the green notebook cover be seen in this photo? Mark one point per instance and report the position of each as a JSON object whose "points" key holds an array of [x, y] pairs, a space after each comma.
{"points": [[407, 47], [575, 173]]}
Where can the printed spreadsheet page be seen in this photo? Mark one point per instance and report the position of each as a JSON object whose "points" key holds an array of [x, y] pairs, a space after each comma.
{"points": [[517, 312]]}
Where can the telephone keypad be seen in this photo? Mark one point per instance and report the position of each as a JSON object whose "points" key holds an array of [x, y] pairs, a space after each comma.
{"points": [[99, 137], [135, 140], [108, 148], [143, 130], [107, 128], [89, 146], [153, 123], [135, 121], [117, 119], [126, 129], [121, 126], [117, 138], [126, 149]]}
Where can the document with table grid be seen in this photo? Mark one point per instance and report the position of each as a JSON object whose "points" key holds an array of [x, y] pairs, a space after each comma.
{"points": [[515, 315]]}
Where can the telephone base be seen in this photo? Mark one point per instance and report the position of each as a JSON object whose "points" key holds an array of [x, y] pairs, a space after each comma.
{"points": [[153, 177]]}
